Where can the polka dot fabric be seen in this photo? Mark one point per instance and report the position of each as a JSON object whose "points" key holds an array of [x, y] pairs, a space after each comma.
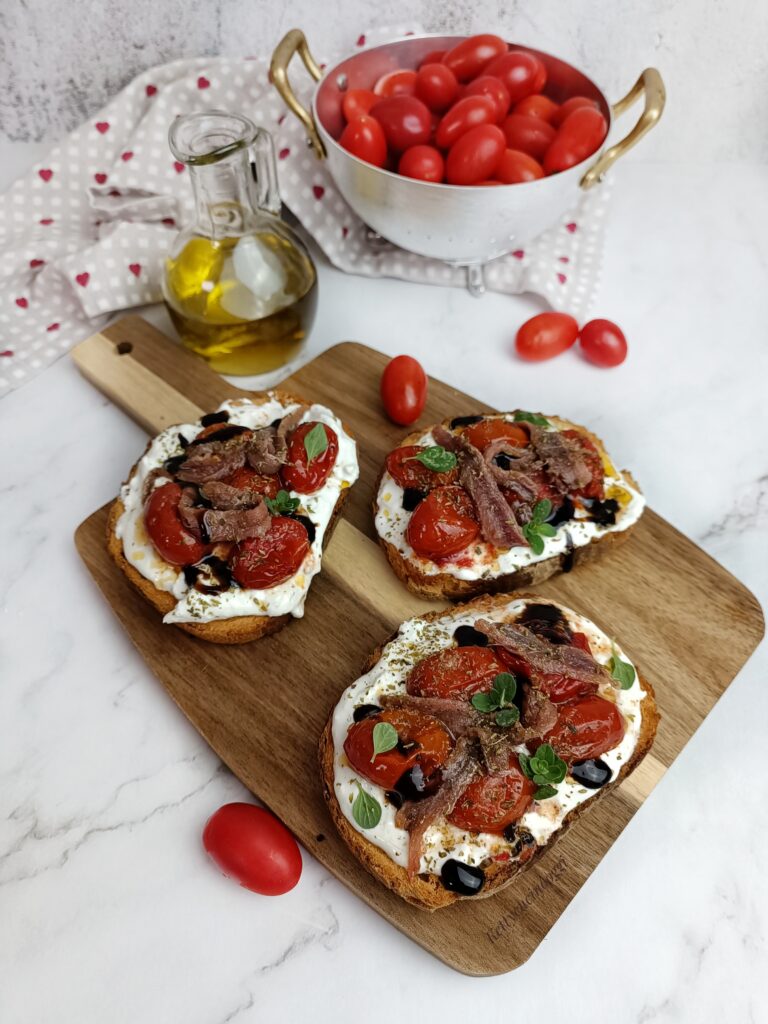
{"points": [[85, 232]]}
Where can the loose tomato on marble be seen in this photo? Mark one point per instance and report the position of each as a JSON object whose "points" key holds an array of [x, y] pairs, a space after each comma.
{"points": [[423, 740], [403, 389], [529, 134], [422, 162], [586, 728], [406, 121], [475, 156], [538, 106], [546, 335], [401, 82], [515, 167], [357, 102], [603, 343], [171, 539], [455, 673], [568, 107], [465, 114], [364, 138], [494, 88], [303, 474], [436, 86], [468, 58], [578, 137], [486, 431], [407, 471], [494, 801], [247, 479], [443, 524], [263, 562], [250, 845], [521, 72]]}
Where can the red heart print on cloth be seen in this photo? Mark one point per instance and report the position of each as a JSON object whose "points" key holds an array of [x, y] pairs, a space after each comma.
{"points": [[135, 269], [53, 327], [178, 166], [83, 279], [126, 156], [100, 178], [203, 83], [571, 227], [22, 303], [102, 127], [34, 264], [151, 90], [46, 174], [318, 191]]}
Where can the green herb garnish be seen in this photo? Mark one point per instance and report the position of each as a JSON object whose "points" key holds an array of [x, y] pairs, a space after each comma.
{"points": [[537, 529], [436, 458], [544, 793], [281, 503], [315, 442], [546, 769], [499, 699], [521, 416], [384, 738], [621, 671], [366, 810]]}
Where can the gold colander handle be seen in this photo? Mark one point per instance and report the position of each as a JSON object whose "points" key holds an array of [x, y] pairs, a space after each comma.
{"points": [[291, 43]]}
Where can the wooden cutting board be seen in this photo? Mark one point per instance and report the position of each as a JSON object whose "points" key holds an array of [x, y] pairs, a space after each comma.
{"points": [[685, 620]]}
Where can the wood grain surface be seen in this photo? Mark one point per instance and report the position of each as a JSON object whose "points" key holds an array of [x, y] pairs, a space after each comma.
{"points": [[684, 619]]}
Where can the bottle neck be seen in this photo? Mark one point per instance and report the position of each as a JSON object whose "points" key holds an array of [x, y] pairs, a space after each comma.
{"points": [[223, 197]]}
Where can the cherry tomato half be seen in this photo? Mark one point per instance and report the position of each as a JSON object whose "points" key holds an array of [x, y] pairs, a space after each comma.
{"points": [[305, 475], [357, 102], [529, 134], [436, 86], [401, 82], [483, 433], [586, 728], [249, 844], [406, 121], [569, 106], [538, 106], [443, 524], [492, 802], [494, 88], [521, 72], [516, 166], [423, 162], [580, 134], [171, 539], [263, 562], [455, 673], [407, 471], [603, 343], [464, 115], [475, 156], [404, 389], [546, 335], [247, 479], [468, 58], [364, 138], [427, 740]]}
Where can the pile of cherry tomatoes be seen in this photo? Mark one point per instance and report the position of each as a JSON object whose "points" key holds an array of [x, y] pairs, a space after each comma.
{"points": [[473, 115]]}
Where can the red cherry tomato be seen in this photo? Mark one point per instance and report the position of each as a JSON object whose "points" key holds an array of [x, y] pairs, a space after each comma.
{"points": [[249, 844], [443, 524], [492, 802], [401, 82], [464, 115], [247, 479], [407, 471], [580, 134], [364, 138], [494, 88], [301, 474], [475, 156], [538, 106], [569, 106], [404, 389], [546, 335], [171, 539], [357, 102], [483, 433], [559, 688], [586, 728], [433, 57], [603, 343], [263, 562], [529, 134], [455, 673], [491, 183], [516, 166], [436, 86], [427, 740], [468, 58], [423, 162], [521, 72], [406, 121]]}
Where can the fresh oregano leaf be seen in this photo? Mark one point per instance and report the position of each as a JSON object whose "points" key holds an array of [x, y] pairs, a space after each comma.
{"points": [[507, 716], [315, 442], [436, 458], [541, 511], [366, 810], [544, 793], [505, 687], [521, 416], [484, 702], [621, 671], [533, 538], [281, 503], [384, 738], [546, 530]]}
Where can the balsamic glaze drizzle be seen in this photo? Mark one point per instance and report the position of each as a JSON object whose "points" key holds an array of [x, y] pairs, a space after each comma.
{"points": [[214, 417], [412, 498], [464, 879], [465, 421], [468, 636]]}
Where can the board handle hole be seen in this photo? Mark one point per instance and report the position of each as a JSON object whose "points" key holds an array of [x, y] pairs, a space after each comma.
{"points": [[124, 348]]}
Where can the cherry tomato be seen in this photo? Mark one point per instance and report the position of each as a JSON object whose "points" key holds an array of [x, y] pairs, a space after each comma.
{"points": [[475, 156], [263, 562], [538, 106], [580, 134], [407, 471], [586, 729], [428, 744], [455, 673], [521, 72], [603, 343], [301, 474], [364, 138], [468, 58], [464, 115], [546, 335], [433, 57], [357, 102], [249, 844], [490, 183], [492, 802], [423, 162], [516, 166], [436, 86], [404, 389], [494, 88], [171, 539], [569, 106], [401, 82], [247, 479], [559, 688], [590, 454], [443, 524], [529, 134], [483, 433], [406, 121]]}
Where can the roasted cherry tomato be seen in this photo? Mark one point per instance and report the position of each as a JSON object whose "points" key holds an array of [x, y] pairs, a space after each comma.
{"points": [[483, 433], [171, 539], [586, 728], [247, 479], [529, 134], [603, 343], [433, 57], [263, 562], [569, 106], [546, 335], [455, 673], [516, 167], [443, 524], [578, 137], [493, 88], [364, 138], [423, 162], [422, 740], [249, 844], [559, 688], [357, 102], [406, 121], [464, 115], [492, 802], [436, 86], [407, 471], [595, 488], [538, 106], [468, 58], [401, 82], [404, 389], [303, 474], [475, 156], [521, 72]]}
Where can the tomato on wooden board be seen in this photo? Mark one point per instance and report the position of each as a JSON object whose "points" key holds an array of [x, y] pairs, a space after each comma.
{"points": [[406, 121], [404, 389], [306, 473], [422, 162], [468, 58], [569, 106], [578, 137], [515, 167], [492, 802], [253, 847], [401, 82], [586, 728], [433, 57], [465, 114], [427, 742], [263, 562], [521, 72], [455, 673], [358, 101], [603, 343], [247, 479], [546, 335], [171, 539], [407, 471], [483, 433], [365, 139], [475, 156], [443, 524], [494, 88], [538, 106], [436, 86], [529, 134]]}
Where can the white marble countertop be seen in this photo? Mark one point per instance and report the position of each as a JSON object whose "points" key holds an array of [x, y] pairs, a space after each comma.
{"points": [[109, 910]]}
